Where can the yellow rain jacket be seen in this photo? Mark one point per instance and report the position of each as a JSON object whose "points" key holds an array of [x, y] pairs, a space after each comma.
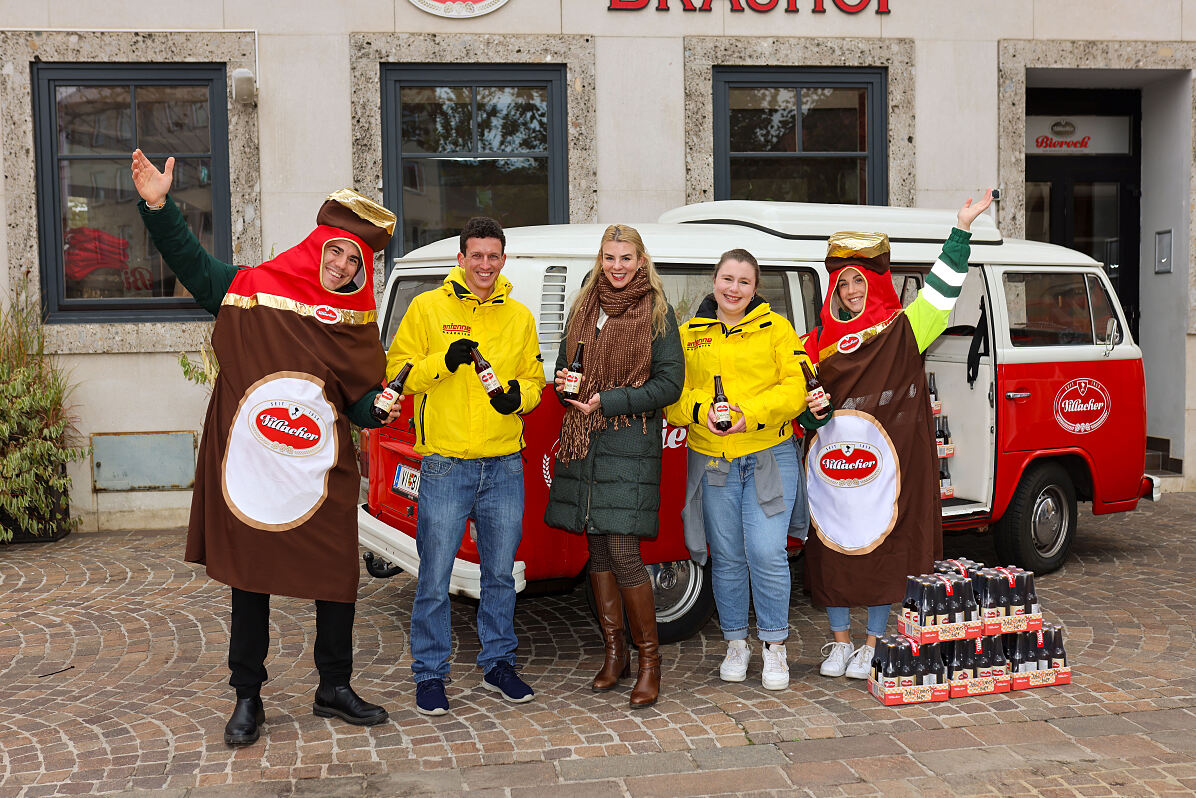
{"points": [[759, 360], [453, 415]]}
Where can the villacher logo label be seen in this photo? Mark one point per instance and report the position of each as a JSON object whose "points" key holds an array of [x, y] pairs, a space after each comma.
{"points": [[850, 342], [458, 8], [1082, 406], [326, 314], [288, 427], [849, 464]]}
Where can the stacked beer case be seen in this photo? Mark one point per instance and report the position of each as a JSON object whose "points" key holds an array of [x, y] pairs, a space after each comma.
{"points": [[967, 630]]}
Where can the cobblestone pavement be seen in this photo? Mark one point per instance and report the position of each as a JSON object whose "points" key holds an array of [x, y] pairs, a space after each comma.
{"points": [[112, 679]]}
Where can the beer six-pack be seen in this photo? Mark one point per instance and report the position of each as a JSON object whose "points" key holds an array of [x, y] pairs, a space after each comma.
{"points": [[967, 630]]}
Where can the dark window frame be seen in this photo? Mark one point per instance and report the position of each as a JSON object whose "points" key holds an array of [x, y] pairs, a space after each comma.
{"points": [[872, 79], [395, 76], [56, 308]]}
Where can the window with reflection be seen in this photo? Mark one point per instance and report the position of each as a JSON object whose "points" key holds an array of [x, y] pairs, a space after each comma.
{"points": [[800, 135], [472, 141], [98, 262]]}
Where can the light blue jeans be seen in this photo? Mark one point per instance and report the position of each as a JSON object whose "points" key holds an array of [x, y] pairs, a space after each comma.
{"points": [[452, 490], [878, 619], [748, 548]]}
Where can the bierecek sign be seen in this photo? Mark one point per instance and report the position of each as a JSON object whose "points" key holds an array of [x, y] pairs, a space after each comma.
{"points": [[788, 6]]}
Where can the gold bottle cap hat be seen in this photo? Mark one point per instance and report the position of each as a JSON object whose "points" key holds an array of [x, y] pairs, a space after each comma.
{"points": [[857, 245]]}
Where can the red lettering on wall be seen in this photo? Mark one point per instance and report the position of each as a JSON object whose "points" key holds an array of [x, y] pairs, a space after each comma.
{"points": [[762, 5], [819, 6], [737, 5], [852, 8], [791, 6], [627, 5], [882, 6]]}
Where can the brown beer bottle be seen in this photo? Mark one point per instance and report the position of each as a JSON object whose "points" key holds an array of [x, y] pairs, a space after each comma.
{"points": [[573, 375], [486, 374], [722, 408], [385, 401], [815, 393]]}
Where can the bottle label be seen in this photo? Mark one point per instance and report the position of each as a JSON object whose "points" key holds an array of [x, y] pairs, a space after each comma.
{"points": [[817, 397], [997, 671], [1035, 608], [962, 675], [572, 382], [386, 400], [905, 681], [722, 412], [888, 682], [1018, 609], [1057, 662], [489, 380], [991, 613], [983, 673]]}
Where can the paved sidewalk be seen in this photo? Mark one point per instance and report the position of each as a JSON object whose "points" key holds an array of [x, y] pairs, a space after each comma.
{"points": [[112, 679]]}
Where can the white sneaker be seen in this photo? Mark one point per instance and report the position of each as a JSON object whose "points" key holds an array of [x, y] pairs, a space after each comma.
{"points": [[734, 667], [776, 671], [861, 663], [835, 663]]}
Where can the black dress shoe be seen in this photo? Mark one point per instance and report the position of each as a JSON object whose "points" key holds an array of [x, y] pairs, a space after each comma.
{"points": [[242, 727], [340, 701]]}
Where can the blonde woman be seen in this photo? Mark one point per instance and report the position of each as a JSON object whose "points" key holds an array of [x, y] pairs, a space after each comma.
{"points": [[607, 480]]}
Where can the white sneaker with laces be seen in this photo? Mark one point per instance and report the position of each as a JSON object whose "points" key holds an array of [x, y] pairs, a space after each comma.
{"points": [[775, 675], [734, 667], [861, 663], [835, 663]]}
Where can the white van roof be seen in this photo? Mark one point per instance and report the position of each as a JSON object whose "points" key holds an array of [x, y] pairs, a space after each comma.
{"points": [[687, 235], [797, 220]]}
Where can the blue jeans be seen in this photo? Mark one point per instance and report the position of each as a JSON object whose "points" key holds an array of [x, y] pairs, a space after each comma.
{"points": [[878, 619], [749, 548], [451, 491]]}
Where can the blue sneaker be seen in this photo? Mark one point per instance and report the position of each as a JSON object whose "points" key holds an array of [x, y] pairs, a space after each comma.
{"points": [[430, 698], [503, 679]]}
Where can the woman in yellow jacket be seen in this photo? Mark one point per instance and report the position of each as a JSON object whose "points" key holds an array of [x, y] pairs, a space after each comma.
{"points": [[748, 476]]}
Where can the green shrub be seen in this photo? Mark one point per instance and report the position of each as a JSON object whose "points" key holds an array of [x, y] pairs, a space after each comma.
{"points": [[36, 425]]}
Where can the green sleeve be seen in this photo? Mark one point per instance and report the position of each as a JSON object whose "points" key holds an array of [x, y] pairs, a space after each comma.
{"points": [[928, 313], [359, 412], [811, 422], [205, 277]]}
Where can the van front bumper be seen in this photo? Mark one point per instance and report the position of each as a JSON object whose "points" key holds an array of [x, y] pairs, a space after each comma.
{"points": [[390, 544], [1151, 488]]}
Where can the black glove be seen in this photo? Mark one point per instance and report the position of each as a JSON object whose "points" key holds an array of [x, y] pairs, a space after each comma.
{"points": [[458, 353], [507, 402]]}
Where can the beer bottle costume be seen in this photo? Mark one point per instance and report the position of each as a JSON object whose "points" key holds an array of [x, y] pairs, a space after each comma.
{"points": [[872, 471], [274, 504]]}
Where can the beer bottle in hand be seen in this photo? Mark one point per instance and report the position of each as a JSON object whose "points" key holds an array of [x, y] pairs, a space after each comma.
{"points": [[815, 393], [385, 401], [486, 374], [722, 408], [573, 374]]}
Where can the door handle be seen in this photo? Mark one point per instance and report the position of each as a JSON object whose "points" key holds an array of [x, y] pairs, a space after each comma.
{"points": [[1017, 394]]}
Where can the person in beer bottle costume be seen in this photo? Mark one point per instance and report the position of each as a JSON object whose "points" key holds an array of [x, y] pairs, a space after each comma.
{"points": [[744, 487], [872, 472], [606, 483], [274, 509], [471, 445]]}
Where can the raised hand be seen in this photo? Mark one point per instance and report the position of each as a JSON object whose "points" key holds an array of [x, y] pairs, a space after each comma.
{"points": [[151, 184], [969, 212]]}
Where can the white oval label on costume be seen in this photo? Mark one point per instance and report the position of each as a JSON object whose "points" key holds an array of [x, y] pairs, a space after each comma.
{"points": [[327, 314], [849, 464], [850, 342], [1082, 406]]}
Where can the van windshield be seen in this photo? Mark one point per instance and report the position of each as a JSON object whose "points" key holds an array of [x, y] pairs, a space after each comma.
{"points": [[405, 290]]}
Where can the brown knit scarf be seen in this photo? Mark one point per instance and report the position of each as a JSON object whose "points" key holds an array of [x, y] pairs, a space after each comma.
{"points": [[620, 357]]}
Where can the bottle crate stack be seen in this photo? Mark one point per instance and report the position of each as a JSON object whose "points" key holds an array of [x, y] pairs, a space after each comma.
{"points": [[967, 630], [942, 439]]}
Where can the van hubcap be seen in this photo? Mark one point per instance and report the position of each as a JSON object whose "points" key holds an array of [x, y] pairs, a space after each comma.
{"points": [[676, 587], [1049, 521]]}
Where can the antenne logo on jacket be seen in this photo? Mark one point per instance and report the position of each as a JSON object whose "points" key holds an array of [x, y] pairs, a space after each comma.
{"points": [[698, 344], [456, 329], [288, 427]]}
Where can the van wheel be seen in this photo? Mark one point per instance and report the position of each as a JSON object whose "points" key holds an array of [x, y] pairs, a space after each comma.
{"points": [[684, 598], [1040, 523]]}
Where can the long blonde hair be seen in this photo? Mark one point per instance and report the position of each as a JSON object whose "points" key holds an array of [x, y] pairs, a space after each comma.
{"points": [[660, 306]]}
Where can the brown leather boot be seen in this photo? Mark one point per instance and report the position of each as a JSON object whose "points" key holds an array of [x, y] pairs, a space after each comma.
{"points": [[641, 617], [610, 621]]}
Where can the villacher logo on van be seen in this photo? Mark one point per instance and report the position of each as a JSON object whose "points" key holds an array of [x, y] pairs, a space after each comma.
{"points": [[849, 464], [1082, 406], [288, 428]]}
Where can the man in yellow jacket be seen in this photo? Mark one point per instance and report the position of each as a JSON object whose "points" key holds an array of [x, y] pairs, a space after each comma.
{"points": [[470, 443]]}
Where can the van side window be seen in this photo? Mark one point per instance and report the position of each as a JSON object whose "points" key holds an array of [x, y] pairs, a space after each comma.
{"points": [[686, 287], [1102, 311], [811, 299], [1049, 309], [906, 285], [405, 290]]}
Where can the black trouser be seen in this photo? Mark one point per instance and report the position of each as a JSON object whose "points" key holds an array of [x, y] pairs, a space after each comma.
{"points": [[250, 637]]}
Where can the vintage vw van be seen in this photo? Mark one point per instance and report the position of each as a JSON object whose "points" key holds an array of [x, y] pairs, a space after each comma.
{"points": [[1039, 381]]}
